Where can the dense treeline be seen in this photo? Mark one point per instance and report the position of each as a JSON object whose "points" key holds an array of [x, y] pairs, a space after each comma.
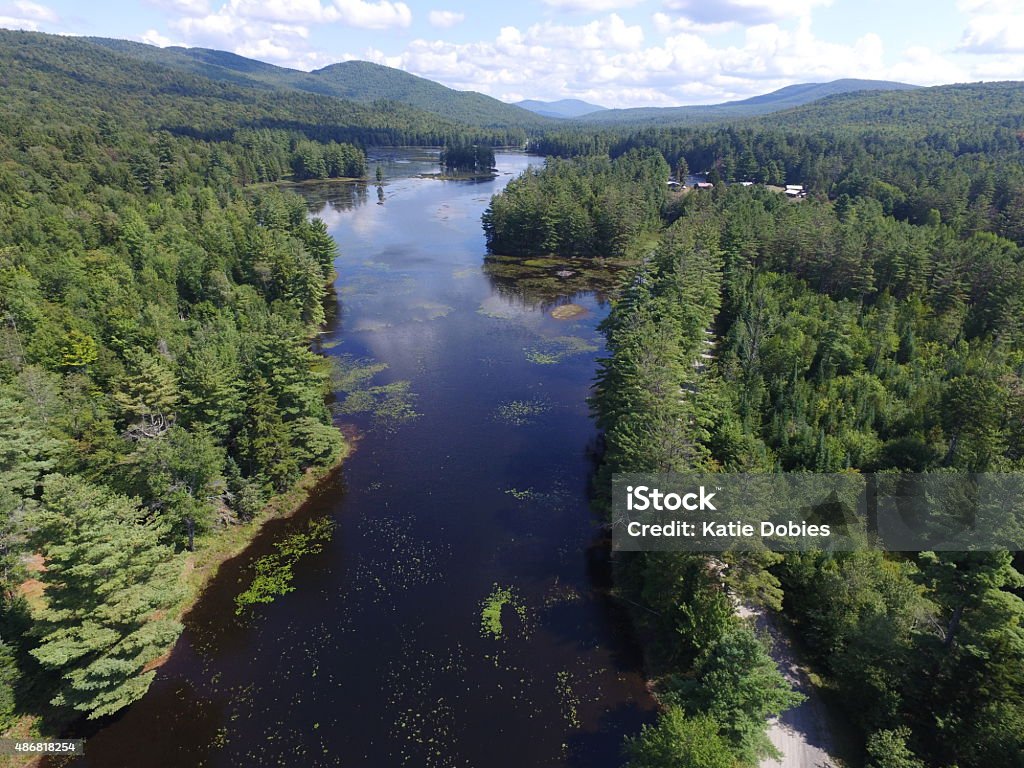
{"points": [[853, 341], [467, 157], [595, 207], [848, 339], [955, 152], [156, 383]]}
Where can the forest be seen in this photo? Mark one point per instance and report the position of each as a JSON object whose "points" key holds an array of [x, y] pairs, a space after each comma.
{"points": [[156, 379], [852, 332], [158, 297]]}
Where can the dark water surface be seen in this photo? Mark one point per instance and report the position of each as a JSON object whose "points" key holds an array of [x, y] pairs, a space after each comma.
{"points": [[380, 657]]}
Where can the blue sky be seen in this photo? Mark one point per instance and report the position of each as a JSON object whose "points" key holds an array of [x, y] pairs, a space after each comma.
{"points": [[617, 53]]}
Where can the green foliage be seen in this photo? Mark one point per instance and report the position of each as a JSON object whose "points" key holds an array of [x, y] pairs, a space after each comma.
{"points": [[888, 749], [468, 158], [592, 207], [273, 574], [108, 579], [861, 333], [737, 684], [493, 605], [677, 741], [141, 291]]}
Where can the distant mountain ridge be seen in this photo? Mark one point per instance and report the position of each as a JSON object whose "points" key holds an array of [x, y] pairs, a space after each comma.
{"points": [[366, 82], [359, 81], [561, 108], [776, 101]]}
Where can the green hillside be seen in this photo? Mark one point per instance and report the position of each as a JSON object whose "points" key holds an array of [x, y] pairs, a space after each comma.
{"points": [[917, 111], [784, 98], [359, 81], [52, 78]]}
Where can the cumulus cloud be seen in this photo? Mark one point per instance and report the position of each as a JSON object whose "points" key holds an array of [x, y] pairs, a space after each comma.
{"points": [[22, 14], [610, 33], [153, 37], [923, 66], [667, 25], [746, 12], [994, 26], [445, 19], [676, 57], [374, 15], [275, 30], [607, 62]]}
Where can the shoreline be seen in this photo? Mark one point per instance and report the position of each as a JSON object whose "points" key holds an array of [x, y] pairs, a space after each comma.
{"points": [[199, 569]]}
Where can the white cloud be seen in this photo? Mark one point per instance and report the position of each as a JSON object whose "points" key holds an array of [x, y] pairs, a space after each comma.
{"points": [[666, 25], [923, 66], [277, 30], [35, 11], [374, 15], [445, 19], [611, 33], [593, 6], [744, 12], [994, 26], [607, 62], [22, 14], [153, 37]]}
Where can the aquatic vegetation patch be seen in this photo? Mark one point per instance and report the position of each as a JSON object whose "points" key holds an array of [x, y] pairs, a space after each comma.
{"points": [[492, 607], [521, 495], [555, 350], [560, 594], [531, 496], [351, 373], [389, 404], [274, 573], [549, 281], [521, 412], [423, 731], [569, 699]]}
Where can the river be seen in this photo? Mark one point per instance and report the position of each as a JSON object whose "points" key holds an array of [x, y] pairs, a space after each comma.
{"points": [[456, 617]]}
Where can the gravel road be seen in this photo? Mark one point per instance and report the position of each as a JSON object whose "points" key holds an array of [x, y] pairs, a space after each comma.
{"points": [[805, 735]]}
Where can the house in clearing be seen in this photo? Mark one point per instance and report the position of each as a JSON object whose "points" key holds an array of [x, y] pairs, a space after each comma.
{"points": [[704, 185], [795, 190]]}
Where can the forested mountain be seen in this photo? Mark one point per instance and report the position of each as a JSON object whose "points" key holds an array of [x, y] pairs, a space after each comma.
{"points": [[560, 108], [358, 81], [47, 75], [784, 98], [917, 112]]}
